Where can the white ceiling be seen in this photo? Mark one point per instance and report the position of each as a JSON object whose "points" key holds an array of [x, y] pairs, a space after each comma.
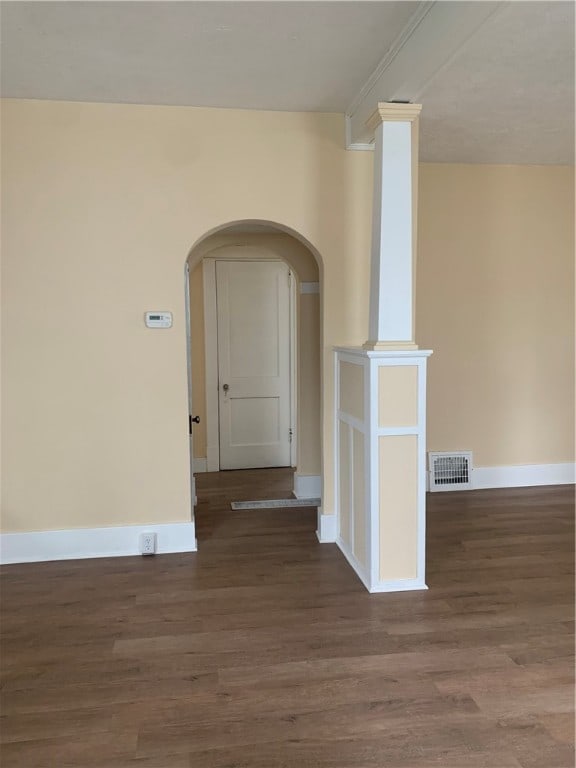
{"points": [[300, 56], [508, 96]]}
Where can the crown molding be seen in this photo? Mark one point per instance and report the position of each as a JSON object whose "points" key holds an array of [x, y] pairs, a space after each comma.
{"points": [[356, 146], [414, 22], [432, 40]]}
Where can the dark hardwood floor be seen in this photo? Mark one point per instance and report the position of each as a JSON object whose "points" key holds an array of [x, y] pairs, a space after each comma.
{"points": [[263, 650]]}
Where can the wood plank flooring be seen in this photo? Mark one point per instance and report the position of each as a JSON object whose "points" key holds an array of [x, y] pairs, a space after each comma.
{"points": [[263, 650]]}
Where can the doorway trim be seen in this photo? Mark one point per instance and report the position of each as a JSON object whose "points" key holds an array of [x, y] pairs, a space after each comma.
{"points": [[211, 357]]}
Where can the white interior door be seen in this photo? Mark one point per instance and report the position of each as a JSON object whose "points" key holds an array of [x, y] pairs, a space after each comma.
{"points": [[253, 307]]}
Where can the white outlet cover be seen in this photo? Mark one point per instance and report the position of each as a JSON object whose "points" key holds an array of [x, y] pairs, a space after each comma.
{"points": [[148, 543]]}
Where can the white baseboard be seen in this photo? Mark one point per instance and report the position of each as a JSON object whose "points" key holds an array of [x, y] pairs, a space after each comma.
{"points": [[356, 565], [520, 475], [326, 532], [81, 543], [308, 486], [399, 585], [200, 465], [524, 475], [212, 458]]}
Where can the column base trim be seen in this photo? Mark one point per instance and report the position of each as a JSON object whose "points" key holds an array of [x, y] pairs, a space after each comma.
{"points": [[326, 532], [399, 585]]}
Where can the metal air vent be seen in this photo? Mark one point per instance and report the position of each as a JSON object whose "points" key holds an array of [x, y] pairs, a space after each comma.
{"points": [[450, 471]]}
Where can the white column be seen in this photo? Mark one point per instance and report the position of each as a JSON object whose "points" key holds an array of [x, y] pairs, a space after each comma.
{"points": [[391, 320], [380, 396]]}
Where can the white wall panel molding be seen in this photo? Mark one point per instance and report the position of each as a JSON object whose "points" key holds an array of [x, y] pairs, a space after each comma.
{"points": [[365, 517], [85, 543]]}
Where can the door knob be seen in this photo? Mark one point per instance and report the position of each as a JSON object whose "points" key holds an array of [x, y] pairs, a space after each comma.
{"points": [[226, 387], [196, 419]]}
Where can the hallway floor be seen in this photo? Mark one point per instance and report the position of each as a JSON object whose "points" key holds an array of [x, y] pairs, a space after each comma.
{"points": [[263, 650]]}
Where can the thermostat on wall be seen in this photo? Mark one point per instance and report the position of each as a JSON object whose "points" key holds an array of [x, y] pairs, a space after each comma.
{"points": [[159, 319]]}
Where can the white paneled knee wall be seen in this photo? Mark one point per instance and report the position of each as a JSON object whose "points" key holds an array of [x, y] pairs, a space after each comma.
{"points": [[381, 465]]}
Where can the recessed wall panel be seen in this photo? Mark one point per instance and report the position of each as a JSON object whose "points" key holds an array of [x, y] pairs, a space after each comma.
{"points": [[398, 509], [359, 498], [352, 390], [344, 483], [398, 396]]}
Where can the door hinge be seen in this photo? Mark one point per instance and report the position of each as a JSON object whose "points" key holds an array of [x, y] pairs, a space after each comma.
{"points": [[290, 434]]}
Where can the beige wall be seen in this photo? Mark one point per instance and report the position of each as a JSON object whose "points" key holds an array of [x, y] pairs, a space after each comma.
{"points": [[309, 386], [495, 300], [101, 206]]}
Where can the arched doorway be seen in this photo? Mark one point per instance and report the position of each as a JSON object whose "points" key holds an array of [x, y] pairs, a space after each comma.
{"points": [[253, 244]]}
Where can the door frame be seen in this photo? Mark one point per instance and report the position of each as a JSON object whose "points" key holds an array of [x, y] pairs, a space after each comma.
{"points": [[211, 358], [193, 497]]}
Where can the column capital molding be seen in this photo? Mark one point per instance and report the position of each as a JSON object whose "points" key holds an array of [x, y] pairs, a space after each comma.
{"points": [[390, 111], [383, 346]]}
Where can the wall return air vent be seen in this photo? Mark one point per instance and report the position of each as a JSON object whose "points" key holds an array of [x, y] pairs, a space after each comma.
{"points": [[450, 471]]}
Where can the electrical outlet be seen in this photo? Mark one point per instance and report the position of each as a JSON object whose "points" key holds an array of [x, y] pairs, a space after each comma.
{"points": [[147, 543]]}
